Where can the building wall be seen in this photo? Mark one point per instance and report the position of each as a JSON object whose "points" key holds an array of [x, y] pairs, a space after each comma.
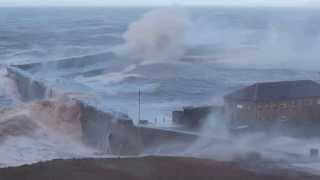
{"points": [[240, 112], [196, 117], [294, 112], [177, 117]]}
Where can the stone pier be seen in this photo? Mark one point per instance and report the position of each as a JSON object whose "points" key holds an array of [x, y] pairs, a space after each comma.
{"points": [[111, 132]]}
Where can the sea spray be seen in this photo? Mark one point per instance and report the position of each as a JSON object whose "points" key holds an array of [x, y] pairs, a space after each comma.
{"points": [[40, 131], [158, 36], [218, 141], [8, 88]]}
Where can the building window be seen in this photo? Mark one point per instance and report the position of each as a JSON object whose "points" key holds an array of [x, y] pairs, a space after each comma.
{"points": [[300, 102], [283, 105], [239, 106], [307, 102]]}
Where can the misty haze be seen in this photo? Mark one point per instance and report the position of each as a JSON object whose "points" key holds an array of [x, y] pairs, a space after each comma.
{"points": [[194, 90]]}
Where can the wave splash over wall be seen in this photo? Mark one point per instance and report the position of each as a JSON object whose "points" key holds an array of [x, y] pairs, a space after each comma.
{"points": [[157, 37], [40, 131], [8, 90]]}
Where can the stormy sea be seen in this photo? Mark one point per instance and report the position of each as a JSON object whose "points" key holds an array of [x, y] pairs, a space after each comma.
{"points": [[175, 57]]}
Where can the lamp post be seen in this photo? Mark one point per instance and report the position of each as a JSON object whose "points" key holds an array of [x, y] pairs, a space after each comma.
{"points": [[139, 113]]}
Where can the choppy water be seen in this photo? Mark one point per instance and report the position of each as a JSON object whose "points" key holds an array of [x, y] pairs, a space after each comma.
{"points": [[225, 49]]}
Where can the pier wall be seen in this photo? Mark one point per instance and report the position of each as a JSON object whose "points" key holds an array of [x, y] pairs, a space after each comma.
{"points": [[110, 132]]}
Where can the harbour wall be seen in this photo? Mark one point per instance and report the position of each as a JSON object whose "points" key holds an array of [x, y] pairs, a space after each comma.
{"points": [[110, 132]]}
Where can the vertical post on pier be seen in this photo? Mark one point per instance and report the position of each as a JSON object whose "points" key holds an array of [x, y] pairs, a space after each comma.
{"points": [[139, 115]]}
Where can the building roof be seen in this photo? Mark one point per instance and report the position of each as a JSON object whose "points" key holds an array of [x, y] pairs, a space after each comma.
{"points": [[276, 91]]}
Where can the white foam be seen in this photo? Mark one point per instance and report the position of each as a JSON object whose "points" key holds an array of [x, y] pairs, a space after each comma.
{"points": [[57, 135], [26, 150], [8, 89]]}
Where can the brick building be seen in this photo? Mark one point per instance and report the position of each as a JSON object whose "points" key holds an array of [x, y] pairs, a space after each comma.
{"points": [[287, 102]]}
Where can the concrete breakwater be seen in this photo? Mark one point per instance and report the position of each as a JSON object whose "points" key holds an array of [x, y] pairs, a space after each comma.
{"points": [[116, 133], [111, 132], [29, 88]]}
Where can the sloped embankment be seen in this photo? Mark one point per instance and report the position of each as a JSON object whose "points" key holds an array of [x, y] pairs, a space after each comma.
{"points": [[148, 168]]}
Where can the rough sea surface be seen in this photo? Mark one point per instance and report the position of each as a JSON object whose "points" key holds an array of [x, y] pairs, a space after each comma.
{"points": [[223, 49]]}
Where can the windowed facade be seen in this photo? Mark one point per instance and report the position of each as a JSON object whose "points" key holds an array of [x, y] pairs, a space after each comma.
{"points": [[307, 102], [253, 103], [293, 103]]}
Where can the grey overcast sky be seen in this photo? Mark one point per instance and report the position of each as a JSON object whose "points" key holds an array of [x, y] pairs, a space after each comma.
{"points": [[310, 3]]}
